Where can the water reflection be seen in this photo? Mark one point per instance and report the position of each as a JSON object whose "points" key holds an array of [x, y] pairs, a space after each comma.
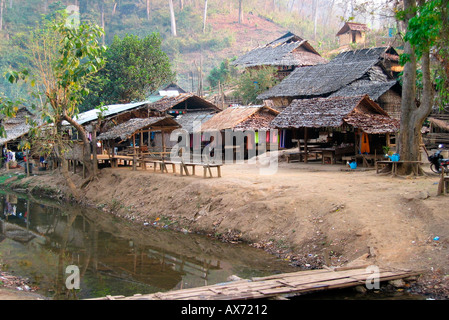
{"points": [[40, 238]]}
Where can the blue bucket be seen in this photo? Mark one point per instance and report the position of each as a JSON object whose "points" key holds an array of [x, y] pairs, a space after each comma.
{"points": [[394, 157], [353, 165]]}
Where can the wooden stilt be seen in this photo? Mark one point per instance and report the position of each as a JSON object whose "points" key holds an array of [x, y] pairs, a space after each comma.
{"points": [[306, 153], [134, 153]]}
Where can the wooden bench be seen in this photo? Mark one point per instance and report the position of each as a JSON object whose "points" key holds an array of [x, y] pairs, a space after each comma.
{"points": [[300, 156], [394, 165], [207, 167], [294, 156], [183, 168]]}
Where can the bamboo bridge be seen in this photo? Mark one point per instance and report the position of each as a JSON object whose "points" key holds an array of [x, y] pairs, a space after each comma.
{"points": [[276, 286]]}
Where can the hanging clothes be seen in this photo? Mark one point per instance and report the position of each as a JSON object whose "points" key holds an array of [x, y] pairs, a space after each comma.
{"points": [[249, 143], [364, 143], [283, 133], [256, 135]]}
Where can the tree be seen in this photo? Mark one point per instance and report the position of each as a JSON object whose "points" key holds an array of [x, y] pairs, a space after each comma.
{"points": [[2, 4], [240, 11], [423, 24], [223, 74], [64, 59], [134, 68], [172, 18], [204, 16], [253, 82]]}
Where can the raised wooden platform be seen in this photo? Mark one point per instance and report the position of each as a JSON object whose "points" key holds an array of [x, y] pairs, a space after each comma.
{"points": [[287, 284]]}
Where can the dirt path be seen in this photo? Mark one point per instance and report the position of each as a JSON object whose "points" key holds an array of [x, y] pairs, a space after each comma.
{"points": [[312, 214]]}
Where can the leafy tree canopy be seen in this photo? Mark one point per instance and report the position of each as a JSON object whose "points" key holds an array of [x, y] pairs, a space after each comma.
{"points": [[134, 68], [255, 81], [429, 30], [222, 74]]}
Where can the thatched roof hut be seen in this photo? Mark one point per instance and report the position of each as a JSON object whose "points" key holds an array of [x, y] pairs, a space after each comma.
{"points": [[242, 118], [438, 131], [353, 26], [16, 127], [352, 32], [386, 94], [286, 53], [325, 79], [439, 123], [125, 130], [359, 112], [182, 103]]}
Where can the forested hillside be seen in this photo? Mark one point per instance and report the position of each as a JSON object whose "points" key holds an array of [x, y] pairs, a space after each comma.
{"points": [[197, 34]]}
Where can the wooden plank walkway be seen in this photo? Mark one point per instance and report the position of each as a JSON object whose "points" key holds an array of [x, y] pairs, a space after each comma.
{"points": [[287, 284]]}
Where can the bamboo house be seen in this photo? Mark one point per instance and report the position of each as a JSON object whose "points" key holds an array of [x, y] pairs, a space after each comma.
{"points": [[134, 138], [285, 53], [352, 32], [252, 121], [351, 73], [338, 128]]}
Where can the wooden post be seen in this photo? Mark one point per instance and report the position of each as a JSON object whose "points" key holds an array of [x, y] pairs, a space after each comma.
{"points": [[306, 155], [163, 142], [134, 152], [113, 163], [84, 171], [28, 163], [7, 162], [142, 164]]}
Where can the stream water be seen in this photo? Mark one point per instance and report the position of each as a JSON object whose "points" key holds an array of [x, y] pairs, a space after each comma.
{"points": [[49, 243]]}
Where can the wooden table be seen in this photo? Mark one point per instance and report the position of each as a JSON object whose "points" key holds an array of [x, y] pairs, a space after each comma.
{"points": [[394, 165]]}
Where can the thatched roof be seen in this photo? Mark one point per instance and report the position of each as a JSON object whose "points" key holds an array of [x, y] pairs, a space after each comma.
{"points": [[360, 112], [442, 124], [190, 119], [16, 127], [180, 101], [241, 118], [288, 50], [374, 89], [126, 129], [324, 79], [352, 26]]}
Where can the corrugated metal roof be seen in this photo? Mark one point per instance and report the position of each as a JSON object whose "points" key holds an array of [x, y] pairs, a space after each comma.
{"points": [[113, 109]]}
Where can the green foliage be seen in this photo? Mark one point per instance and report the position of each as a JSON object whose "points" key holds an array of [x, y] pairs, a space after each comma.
{"points": [[222, 74], [423, 29], [255, 81], [63, 59], [428, 30], [134, 68]]}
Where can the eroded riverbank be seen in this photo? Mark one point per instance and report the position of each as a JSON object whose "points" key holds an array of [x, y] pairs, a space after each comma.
{"points": [[311, 216]]}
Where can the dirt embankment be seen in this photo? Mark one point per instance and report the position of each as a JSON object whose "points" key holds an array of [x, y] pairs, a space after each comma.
{"points": [[312, 214]]}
